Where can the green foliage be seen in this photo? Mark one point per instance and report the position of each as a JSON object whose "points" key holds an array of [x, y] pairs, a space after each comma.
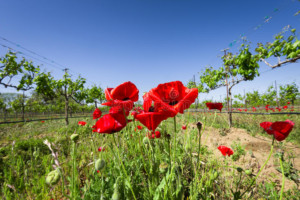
{"points": [[287, 47], [94, 94], [12, 67], [238, 150], [289, 92], [45, 86]]}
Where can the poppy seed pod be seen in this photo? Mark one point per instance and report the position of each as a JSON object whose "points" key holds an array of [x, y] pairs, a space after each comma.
{"points": [[199, 126], [53, 177], [74, 137], [99, 164]]}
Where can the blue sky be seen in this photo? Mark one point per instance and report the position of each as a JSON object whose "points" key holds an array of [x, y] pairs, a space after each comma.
{"points": [[147, 42]]}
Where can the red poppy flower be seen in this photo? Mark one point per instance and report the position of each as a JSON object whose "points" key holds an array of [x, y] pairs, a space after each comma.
{"points": [[98, 171], [225, 150], [173, 96], [139, 127], [279, 109], [110, 123], [157, 134], [183, 127], [121, 97], [280, 129], [41, 121], [288, 103], [82, 123], [101, 149], [123, 92], [285, 107], [97, 113], [151, 116], [246, 110], [217, 106]]}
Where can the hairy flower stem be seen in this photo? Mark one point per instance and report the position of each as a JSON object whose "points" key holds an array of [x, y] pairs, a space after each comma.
{"points": [[175, 142], [125, 173], [254, 180], [283, 177], [74, 171], [199, 149]]}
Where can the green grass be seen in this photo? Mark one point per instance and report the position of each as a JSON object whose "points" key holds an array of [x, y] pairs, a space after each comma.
{"points": [[135, 167]]}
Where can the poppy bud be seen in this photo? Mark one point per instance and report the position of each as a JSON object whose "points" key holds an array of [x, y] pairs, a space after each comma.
{"points": [[157, 134], [99, 164], [146, 140], [199, 126], [74, 137], [248, 171], [163, 167], [239, 169], [35, 154], [116, 194], [53, 177], [214, 175]]}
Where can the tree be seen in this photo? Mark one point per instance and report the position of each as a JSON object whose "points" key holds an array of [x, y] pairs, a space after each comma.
{"points": [[237, 68], [12, 68], [269, 96], [94, 95], [253, 98], [289, 92], [66, 87]]}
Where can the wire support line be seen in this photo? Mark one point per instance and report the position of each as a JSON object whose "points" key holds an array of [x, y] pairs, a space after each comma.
{"points": [[44, 62], [20, 46]]}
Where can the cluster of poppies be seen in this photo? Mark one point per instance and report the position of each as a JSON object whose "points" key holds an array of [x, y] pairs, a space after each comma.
{"points": [[160, 103]]}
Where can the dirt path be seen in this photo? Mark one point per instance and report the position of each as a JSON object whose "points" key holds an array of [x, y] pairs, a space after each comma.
{"points": [[257, 150]]}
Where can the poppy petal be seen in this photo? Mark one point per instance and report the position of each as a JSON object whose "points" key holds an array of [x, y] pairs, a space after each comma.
{"points": [[282, 129], [125, 91], [110, 123], [151, 119], [107, 93], [187, 100]]}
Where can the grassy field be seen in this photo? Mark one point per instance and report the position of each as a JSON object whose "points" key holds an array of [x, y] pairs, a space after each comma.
{"points": [[181, 164]]}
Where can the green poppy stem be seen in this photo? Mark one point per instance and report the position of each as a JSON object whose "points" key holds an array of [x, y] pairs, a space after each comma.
{"points": [[175, 142], [283, 177], [199, 148], [125, 173], [254, 180], [74, 171]]}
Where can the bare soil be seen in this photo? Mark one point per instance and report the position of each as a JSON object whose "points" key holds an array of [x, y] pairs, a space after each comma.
{"points": [[257, 150]]}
